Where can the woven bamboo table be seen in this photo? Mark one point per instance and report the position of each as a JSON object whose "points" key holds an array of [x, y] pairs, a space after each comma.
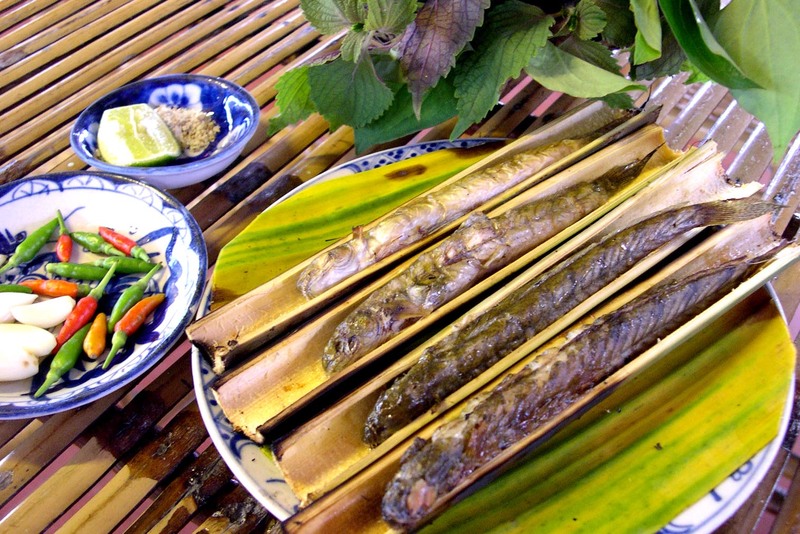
{"points": [[140, 459]]}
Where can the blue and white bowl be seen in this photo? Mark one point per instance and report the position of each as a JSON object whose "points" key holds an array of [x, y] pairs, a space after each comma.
{"points": [[232, 107], [156, 221]]}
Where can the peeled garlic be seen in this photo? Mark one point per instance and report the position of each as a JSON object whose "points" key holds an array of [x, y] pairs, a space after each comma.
{"points": [[16, 363], [10, 300], [45, 313], [32, 339]]}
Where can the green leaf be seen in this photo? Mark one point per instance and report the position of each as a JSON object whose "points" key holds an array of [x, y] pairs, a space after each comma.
{"points": [[293, 99], [353, 45], [332, 16], [513, 33], [389, 16], [559, 71], [348, 93], [670, 62], [763, 37], [620, 29], [400, 119], [647, 46], [591, 52], [591, 19], [701, 46], [429, 46]]}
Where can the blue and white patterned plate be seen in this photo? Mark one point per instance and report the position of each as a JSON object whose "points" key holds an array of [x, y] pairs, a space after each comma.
{"points": [[254, 467], [157, 221]]}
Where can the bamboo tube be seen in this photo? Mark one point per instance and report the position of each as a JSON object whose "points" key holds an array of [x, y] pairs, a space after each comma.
{"points": [[15, 431]]}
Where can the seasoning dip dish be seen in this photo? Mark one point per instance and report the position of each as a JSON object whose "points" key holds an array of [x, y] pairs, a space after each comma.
{"points": [[230, 106]]}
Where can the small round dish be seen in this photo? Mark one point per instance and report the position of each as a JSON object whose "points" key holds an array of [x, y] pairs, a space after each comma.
{"points": [[156, 221], [230, 105]]}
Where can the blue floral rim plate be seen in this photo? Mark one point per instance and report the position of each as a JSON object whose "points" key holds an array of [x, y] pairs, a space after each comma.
{"points": [[254, 467], [156, 221]]}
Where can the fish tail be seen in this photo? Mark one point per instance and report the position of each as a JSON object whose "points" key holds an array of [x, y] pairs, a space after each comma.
{"points": [[734, 210]]}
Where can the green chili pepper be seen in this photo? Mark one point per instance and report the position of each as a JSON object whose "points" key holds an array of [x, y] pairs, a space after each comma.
{"points": [[95, 243], [125, 264], [30, 246], [14, 288], [129, 297], [64, 360], [80, 271]]}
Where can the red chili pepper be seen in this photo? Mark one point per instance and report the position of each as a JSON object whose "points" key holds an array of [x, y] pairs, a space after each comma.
{"points": [[123, 243], [131, 322], [94, 344], [83, 311], [56, 288], [64, 243]]}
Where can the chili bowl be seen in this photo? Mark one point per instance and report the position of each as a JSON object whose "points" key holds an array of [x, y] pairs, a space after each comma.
{"points": [[157, 222], [231, 107]]}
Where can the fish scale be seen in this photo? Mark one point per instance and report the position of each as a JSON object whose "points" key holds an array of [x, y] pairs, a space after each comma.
{"points": [[479, 247], [465, 353], [553, 381]]}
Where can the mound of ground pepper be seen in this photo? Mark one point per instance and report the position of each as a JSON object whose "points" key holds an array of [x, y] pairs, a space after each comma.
{"points": [[193, 129]]}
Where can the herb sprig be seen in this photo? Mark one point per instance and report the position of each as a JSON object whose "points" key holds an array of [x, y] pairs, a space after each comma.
{"points": [[403, 66]]}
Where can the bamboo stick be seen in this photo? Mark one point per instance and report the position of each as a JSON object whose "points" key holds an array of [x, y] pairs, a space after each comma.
{"points": [[79, 70], [137, 478], [67, 35], [237, 512], [239, 42], [41, 22], [112, 435], [23, 11], [192, 488], [47, 442]]}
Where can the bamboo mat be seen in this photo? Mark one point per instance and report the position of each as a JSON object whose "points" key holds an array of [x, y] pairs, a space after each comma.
{"points": [[139, 459]]}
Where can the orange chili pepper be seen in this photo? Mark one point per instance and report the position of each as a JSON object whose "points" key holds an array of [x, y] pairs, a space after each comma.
{"points": [[57, 288], [94, 344], [83, 311], [131, 322]]}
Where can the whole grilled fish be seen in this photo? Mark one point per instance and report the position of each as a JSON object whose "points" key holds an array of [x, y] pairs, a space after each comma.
{"points": [[479, 247], [552, 382], [461, 356], [418, 218]]}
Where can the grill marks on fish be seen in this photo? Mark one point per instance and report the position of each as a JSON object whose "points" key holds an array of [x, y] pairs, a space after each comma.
{"points": [[479, 247], [420, 217], [552, 382], [465, 353]]}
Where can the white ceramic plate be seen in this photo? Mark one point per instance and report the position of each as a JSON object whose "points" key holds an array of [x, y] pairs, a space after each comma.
{"points": [[157, 221], [257, 471]]}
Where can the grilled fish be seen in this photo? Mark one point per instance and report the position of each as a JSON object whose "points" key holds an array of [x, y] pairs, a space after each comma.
{"points": [[418, 218], [552, 382], [479, 247], [461, 356]]}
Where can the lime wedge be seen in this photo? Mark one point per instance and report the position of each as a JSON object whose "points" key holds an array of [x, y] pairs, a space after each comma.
{"points": [[135, 136]]}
